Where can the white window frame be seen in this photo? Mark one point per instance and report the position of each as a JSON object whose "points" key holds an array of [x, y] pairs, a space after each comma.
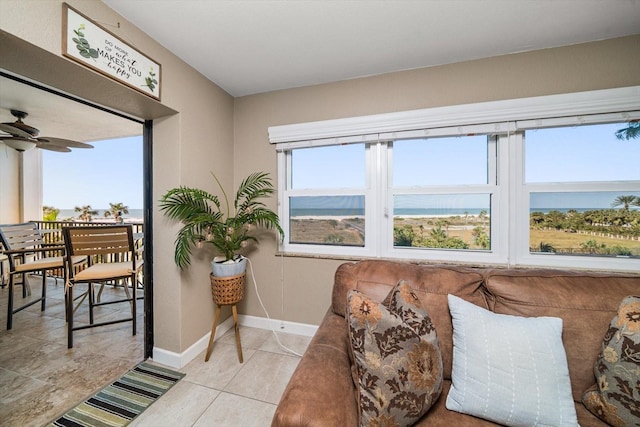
{"points": [[496, 255], [522, 191], [509, 227], [371, 204]]}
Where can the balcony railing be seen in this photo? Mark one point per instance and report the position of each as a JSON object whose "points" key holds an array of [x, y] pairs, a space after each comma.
{"points": [[52, 230]]}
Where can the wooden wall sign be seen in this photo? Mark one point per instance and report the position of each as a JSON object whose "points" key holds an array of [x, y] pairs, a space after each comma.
{"points": [[91, 45]]}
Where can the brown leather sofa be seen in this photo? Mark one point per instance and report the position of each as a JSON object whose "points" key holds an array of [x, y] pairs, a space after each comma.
{"points": [[321, 391]]}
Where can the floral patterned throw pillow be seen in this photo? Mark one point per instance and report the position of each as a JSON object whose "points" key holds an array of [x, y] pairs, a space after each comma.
{"points": [[396, 361], [616, 397]]}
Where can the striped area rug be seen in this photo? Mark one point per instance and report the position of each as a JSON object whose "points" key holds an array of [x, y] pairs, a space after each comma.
{"points": [[123, 400]]}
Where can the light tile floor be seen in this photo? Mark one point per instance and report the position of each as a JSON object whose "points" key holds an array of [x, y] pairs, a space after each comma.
{"points": [[224, 392], [40, 378]]}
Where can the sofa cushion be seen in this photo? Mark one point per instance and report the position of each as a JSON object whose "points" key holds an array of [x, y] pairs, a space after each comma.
{"points": [[440, 416], [578, 298], [509, 369], [320, 392], [397, 366], [616, 397], [431, 283]]}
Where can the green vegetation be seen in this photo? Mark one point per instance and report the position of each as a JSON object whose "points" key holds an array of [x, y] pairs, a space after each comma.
{"points": [[481, 238], [228, 227], [625, 202], [116, 210], [546, 247], [453, 232], [608, 232], [403, 235], [607, 222], [49, 213], [86, 212], [334, 239], [437, 237], [630, 132], [595, 232]]}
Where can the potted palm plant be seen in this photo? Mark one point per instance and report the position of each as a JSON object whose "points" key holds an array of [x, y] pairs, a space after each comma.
{"points": [[206, 221]]}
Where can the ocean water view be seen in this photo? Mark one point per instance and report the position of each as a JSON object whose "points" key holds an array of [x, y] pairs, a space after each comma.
{"points": [[360, 212], [438, 211], [309, 212]]}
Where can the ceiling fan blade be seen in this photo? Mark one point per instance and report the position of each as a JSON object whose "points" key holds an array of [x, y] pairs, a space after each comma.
{"points": [[13, 130], [25, 136], [50, 147], [18, 143], [60, 142]]}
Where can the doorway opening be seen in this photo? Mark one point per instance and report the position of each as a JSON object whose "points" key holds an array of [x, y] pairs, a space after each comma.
{"points": [[82, 116]]}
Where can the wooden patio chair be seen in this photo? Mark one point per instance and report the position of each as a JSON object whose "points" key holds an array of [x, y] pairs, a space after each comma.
{"points": [[112, 257], [27, 253], [3, 258]]}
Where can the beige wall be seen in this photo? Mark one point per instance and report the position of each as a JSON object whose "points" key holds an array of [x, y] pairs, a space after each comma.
{"points": [[20, 171], [306, 283], [9, 186], [187, 145]]}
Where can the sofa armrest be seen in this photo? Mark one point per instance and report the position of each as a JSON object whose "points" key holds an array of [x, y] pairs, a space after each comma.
{"points": [[321, 391]]}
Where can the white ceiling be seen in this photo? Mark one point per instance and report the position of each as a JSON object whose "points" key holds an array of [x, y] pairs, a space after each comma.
{"points": [[59, 117], [254, 46]]}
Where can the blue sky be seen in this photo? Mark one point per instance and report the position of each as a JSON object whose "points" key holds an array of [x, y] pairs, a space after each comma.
{"points": [[602, 199], [111, 172], [580, 154], [585, 153]]}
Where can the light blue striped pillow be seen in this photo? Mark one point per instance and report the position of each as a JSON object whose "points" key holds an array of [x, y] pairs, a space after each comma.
{"points": [[509, 369]]}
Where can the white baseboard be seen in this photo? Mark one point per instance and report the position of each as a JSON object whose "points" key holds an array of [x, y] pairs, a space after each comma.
{"points": [[178, 360], [278, 325]]}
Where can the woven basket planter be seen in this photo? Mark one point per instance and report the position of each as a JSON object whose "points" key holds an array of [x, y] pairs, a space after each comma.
{"points": [[227, 290]]}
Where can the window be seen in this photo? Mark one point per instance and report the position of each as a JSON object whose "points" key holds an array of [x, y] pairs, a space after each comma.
{"points": [[583, 192], [443, 221], [327, 220], [337, 216], [540, 182], [326, 198], [429, 211], [334, 166], [442, 161], [588, 153]]}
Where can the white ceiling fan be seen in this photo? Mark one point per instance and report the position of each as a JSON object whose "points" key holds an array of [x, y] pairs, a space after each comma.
{"points": [[22, 137]]}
